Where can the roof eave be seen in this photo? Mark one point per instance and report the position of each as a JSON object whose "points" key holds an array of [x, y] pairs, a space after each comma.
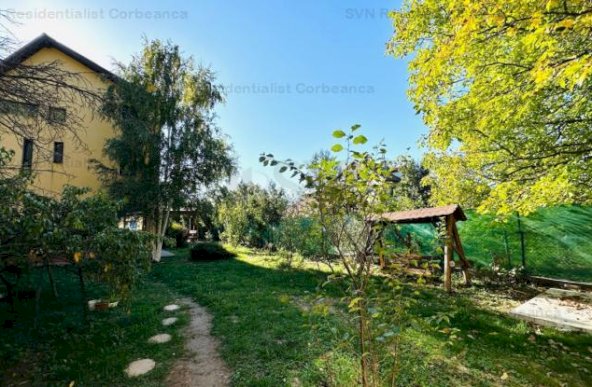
{"points": [[46, 41]]}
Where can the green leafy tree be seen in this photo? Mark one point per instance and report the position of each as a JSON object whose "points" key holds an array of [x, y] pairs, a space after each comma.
{"points": [[75, 228], [408, 185], [204, 215], [168, 147], [249, 214], [302, 234], [84, 230], [347, 193], [22, 218], [504, 88]]}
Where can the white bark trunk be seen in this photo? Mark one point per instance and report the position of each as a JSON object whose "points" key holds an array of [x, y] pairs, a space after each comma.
{"points": [[157, 250], [161, 226]]}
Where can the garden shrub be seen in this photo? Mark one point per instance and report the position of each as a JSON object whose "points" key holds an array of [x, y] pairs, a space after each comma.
{"points": [[76, 227], [209, 251], [302, 235], [168, 242], [83, 229], [248, 215], [177, 236], [118, 258]]}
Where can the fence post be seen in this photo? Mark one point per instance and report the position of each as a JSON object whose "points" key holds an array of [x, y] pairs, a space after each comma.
{"points": [[521, 233], [448, 258]]}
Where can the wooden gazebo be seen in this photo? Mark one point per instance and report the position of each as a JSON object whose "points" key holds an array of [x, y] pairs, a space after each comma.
{"points": [[450, 215]]}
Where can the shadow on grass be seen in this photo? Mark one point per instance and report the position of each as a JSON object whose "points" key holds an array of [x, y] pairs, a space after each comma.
{"points": [[270, 338], [64, 348]]}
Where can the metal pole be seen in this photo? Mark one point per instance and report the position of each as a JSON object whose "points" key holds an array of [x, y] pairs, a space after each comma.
{"points": [[521, 233]]}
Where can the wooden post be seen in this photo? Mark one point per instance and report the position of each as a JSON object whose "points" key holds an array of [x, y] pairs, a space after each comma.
{"points": [[448, 256], [461, 254], [447, 267]]}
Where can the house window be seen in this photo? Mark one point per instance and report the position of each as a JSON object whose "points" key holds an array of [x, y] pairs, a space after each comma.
{"points": [[28, 153], [18, 108], [56, 115], [58, 152]]}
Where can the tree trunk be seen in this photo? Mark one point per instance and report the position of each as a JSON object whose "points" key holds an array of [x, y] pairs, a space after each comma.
{"points": [[362, 333], [157, 249], [10, 293], [151, 226], [83, 298], [37, 305], [51, 279], [161, 226]]}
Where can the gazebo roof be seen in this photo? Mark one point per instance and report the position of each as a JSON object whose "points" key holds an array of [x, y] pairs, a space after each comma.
{"points": [[421, 215]]}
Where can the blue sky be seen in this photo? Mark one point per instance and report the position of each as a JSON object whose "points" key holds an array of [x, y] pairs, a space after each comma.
{"points": [[294, 70]]}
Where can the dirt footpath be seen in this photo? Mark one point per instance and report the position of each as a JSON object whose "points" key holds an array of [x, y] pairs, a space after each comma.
{"points": [[202, 365]]}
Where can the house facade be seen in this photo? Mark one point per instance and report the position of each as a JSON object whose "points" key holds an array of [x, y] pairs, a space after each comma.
{"points": [[66, 158]]}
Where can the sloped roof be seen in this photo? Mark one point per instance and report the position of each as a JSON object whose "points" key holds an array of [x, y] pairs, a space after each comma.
{"points": [[46, 41], [421, 215]]}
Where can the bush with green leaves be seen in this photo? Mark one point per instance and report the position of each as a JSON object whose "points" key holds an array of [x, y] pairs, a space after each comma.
{"points": [[85, 232], [209, 251], [76, 228], [302, 235], [176, 236], [249, 214], [117, 258]]}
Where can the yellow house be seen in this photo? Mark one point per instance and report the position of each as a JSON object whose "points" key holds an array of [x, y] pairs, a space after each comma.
{"points": [[66, 157]]}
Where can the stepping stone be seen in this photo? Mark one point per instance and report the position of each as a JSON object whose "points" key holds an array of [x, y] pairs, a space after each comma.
{"points": [[139, 367], [91, 304], [169, 321], [160, 338], [172, 307]]}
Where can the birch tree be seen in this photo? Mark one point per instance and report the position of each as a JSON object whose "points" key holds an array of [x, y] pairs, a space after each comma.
{"points": [[168, 146]]}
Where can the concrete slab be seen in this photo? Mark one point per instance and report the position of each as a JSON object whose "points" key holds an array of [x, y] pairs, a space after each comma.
{"points": [[563, 309]]}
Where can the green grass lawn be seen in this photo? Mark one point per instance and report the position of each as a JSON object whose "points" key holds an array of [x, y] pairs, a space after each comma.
{"points": [[64, 348], [276, 331], [273, 334]]}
